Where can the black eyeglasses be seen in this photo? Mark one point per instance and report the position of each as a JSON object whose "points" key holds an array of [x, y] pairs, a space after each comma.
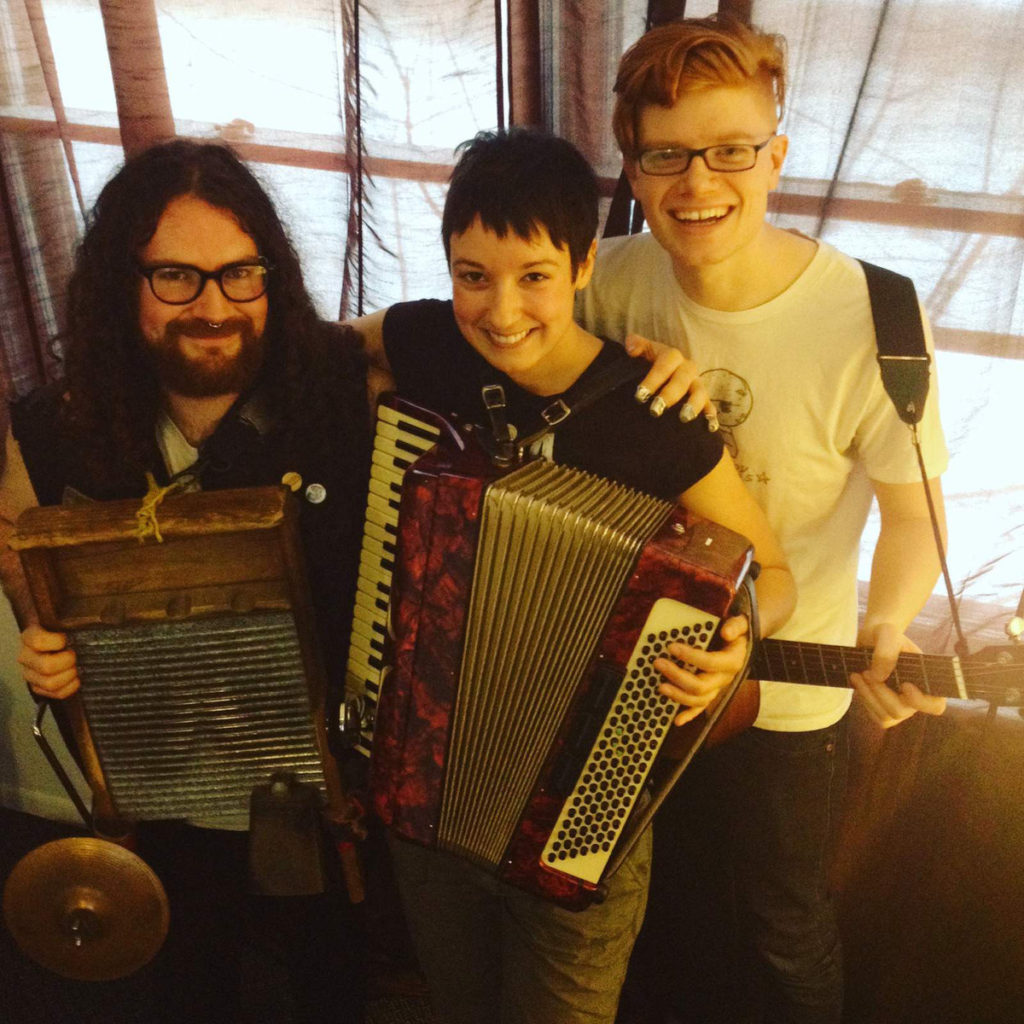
{"points": [[725, 158], [177, 284]]}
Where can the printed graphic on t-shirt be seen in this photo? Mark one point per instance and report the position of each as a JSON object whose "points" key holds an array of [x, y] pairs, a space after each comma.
{"points": [[734, 400], [731, 393]]}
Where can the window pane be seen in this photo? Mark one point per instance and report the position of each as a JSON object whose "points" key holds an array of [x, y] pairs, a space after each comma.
{"points": [[79, 48], [955, 124], [429, 74], [271, 64]]}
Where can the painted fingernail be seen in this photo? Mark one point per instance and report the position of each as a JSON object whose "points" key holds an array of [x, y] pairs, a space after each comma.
{"points": [[642, 393], [658, 406], [687, 412], [712, 423]]}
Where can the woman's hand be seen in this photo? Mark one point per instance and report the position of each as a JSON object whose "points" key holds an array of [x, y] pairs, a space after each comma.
{"points": [[708, 672]]}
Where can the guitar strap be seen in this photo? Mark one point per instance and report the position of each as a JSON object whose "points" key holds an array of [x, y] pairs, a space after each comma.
{"points": [[904, 361], [899, 334]]}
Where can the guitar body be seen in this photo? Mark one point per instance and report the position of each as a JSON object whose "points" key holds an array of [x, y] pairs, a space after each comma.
{"points": [[738, 715]]}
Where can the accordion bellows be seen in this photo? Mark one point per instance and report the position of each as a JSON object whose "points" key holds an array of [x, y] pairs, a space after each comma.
{"points": [[519, 718]]}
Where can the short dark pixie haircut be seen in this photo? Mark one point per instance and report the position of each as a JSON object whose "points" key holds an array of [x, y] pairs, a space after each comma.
{"points": [[523, 180]]}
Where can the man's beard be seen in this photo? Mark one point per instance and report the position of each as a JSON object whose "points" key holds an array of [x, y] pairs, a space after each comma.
{"points": [[212, 373]]}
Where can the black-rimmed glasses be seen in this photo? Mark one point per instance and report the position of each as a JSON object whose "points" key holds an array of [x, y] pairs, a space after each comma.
{"points": [[178, 284], [727, 158]]}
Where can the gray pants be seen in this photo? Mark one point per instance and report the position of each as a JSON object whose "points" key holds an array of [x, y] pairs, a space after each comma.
{"points": [[493, 954]]}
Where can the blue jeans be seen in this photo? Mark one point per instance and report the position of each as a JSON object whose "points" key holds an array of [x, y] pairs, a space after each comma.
{"points": [[740, 923]]}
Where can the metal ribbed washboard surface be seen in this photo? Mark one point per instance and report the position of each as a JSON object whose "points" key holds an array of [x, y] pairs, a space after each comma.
{"points": [[188, 716]]}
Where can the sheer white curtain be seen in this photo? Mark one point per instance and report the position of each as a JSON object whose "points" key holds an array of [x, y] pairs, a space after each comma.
{"points": [[906, 126], [905, 118], [348, 111]]}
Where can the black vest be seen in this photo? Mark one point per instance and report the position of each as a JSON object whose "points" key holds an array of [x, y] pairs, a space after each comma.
{"points": [[244, 451]]}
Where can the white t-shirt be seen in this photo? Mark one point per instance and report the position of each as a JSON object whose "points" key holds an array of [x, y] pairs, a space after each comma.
{"points": [[177, 453], [804, 415]]}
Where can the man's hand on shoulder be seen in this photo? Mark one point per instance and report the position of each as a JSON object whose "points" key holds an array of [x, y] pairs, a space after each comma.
{"points": [[47, 663], [672, 379], [887, 706]]}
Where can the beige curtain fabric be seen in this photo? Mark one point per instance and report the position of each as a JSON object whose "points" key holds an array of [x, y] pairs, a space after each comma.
{"points": [[907, 145], [40, 209], [137, 66]]}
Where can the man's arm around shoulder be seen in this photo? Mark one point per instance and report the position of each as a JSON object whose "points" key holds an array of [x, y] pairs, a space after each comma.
{"points": [[370, 330]]}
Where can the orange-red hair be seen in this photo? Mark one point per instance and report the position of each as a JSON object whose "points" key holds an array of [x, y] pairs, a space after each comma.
{"points": [[696, 53]]}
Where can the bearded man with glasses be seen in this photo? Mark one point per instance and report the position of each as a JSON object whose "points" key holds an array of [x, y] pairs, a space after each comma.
{"points": [[781, 326], [193, 353]]}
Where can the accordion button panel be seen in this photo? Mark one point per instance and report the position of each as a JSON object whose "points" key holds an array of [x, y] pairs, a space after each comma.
{"points": [[400, 439], [638, 720]]}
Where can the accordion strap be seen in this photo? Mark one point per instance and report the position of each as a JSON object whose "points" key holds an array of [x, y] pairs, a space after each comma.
{"points": [[508, 447]]}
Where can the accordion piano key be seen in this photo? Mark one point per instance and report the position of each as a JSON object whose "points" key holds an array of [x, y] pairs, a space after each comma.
{"points": [[401, 437]]}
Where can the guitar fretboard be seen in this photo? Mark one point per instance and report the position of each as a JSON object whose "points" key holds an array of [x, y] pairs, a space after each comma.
{"points": [[829, 665]]}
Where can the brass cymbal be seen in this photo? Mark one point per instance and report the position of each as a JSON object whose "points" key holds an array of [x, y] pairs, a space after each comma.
{"points": [[86, 909]]}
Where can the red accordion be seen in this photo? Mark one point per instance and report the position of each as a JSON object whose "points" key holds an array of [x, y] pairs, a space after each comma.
{"points": [[518, 717]]}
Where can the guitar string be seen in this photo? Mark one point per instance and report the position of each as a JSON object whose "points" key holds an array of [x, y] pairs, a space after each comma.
{"points": [[912, 667]]}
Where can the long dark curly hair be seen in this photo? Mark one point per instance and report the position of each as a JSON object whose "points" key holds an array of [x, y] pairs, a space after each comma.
{"points": [[112, 396]]}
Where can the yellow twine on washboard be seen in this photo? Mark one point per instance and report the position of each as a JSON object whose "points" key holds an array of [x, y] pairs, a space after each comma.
{"points": [[146, 523]]}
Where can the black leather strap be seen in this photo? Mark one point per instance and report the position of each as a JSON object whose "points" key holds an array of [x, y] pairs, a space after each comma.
{"points": [[899, 334], [582, 394]]}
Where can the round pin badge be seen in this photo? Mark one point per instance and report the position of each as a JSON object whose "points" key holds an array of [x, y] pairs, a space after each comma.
{"points": [[316, 493]]}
